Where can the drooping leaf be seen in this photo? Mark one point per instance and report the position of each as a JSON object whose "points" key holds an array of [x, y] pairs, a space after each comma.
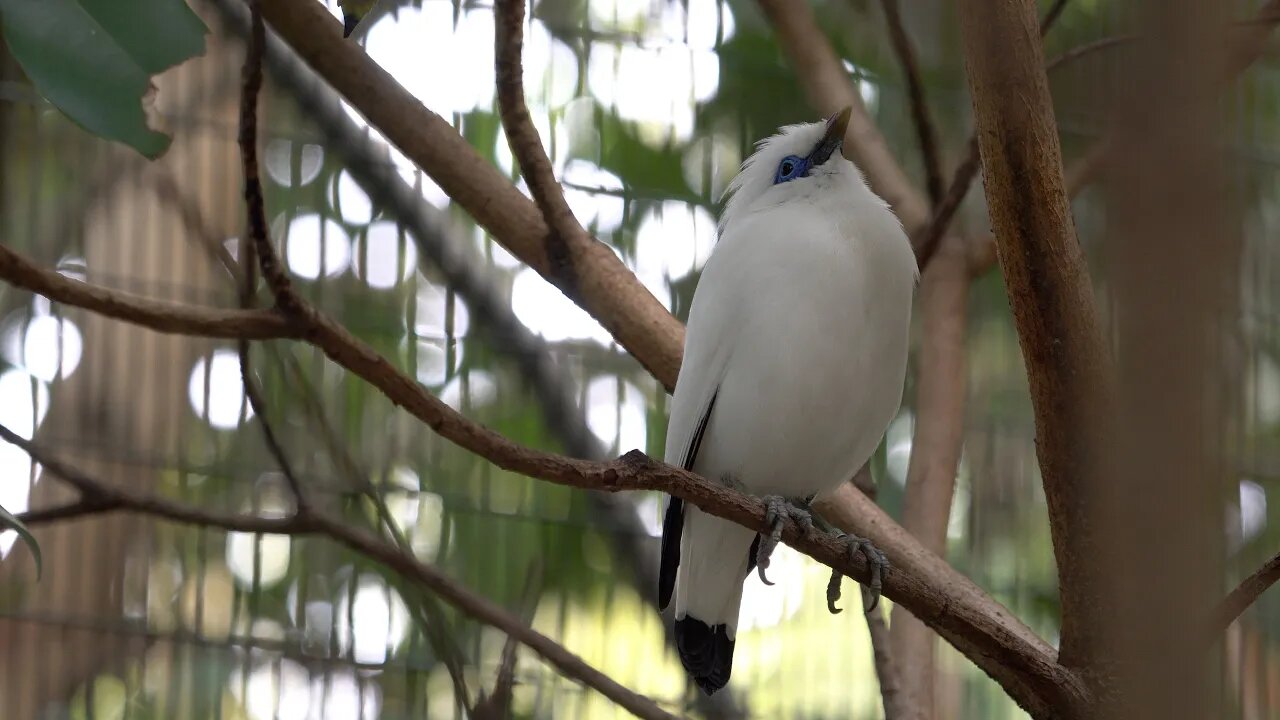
{"points": [[94, 59], [9, 522]]}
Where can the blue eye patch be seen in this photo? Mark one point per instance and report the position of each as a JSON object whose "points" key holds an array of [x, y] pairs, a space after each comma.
{"points": [[791, 168]]}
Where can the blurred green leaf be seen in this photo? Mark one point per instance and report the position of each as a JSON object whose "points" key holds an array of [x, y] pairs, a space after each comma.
{"points": [[94, 59], [9, 522]]}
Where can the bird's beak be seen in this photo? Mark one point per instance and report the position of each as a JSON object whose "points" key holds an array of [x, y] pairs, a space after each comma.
{"points": [[832, 139]]}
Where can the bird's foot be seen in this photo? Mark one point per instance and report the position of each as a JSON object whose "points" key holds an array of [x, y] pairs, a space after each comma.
{"points": [[876, 561], [777, 509]]}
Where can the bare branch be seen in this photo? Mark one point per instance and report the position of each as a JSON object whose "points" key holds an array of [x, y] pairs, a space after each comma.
{"points": [[1245, 594], [819, 70], [926, 239], [978, 626], [257, 247], [896, 705], [1075, 53], [1051, 17], [371, 546], [566, 233], [1068, 364], [607, 290], [165, 317], [943, 306], [925, 132]]}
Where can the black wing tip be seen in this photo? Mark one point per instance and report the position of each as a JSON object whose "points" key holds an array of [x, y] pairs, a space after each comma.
{"points": [[672, 527], [349, 23], [706, 653]]}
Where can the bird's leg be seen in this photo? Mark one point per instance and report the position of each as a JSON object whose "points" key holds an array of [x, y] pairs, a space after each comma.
{"points": [[778, 508], [876, 561]]}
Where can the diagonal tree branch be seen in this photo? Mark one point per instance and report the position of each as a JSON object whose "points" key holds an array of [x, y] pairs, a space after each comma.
{"points": [[973, 622], [115, 498], [926, 238], [1245, 594], [925, 132], [371, 167], [607, 290], [819, 70]]}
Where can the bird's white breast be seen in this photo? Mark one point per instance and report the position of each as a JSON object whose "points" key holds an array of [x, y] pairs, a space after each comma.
{"points": [[801, 321]]}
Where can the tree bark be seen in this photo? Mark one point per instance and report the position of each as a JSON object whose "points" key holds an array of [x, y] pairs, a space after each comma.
{"points": [[1173, 248], [935, 451], [1049, 291]]}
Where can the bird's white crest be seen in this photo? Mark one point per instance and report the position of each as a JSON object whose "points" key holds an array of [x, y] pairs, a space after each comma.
{"points": [[753, 188], [795, 358]]}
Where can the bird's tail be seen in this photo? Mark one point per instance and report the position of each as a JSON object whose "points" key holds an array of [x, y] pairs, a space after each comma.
{"points": [[714, 560]]}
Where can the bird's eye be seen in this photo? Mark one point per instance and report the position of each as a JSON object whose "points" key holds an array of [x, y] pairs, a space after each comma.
{"points": [[790, 168]]}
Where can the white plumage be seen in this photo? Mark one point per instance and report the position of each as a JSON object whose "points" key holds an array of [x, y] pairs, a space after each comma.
{"points": [[794, 363]]}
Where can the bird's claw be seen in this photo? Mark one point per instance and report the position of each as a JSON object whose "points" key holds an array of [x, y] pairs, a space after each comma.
{"points": [[876, 562], [776, 510]]}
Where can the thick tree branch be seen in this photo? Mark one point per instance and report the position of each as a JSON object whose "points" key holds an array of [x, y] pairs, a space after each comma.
{"points": [[926, 238], [371, 546], [819, 70], [977, 625], [925, 132], [607, 290], [1068, 364]]}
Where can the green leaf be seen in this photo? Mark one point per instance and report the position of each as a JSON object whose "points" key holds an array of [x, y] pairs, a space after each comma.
{"points": [[94, 59], [9, 522]]}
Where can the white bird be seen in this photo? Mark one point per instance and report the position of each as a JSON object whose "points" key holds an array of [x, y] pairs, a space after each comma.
{"points": [[795, 358]]}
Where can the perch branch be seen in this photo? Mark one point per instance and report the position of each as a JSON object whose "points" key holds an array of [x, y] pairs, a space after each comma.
{"points": [[973, 622]]}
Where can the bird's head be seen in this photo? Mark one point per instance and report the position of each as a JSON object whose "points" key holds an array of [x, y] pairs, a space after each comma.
{"points": [[798, 161]]}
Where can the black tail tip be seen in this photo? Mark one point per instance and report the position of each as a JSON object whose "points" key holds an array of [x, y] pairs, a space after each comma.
{"points": [[349, 23], [706, 653]]}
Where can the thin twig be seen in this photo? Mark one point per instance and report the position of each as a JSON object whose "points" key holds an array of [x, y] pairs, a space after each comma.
{"points": [[496, 705], [1249, 590], [927, 239], [891, 695], [363, 542], [821, 73], [257, 246], [1052, 16], [1075, 53], [272, 269], [158, 315], [566, 232], [925, 131]]}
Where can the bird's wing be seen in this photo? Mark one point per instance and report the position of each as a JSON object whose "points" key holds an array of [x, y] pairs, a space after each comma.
{"points": [[712, 325]]}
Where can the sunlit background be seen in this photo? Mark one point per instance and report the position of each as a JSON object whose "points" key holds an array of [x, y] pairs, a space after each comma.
{"points": [[647, 108]]}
